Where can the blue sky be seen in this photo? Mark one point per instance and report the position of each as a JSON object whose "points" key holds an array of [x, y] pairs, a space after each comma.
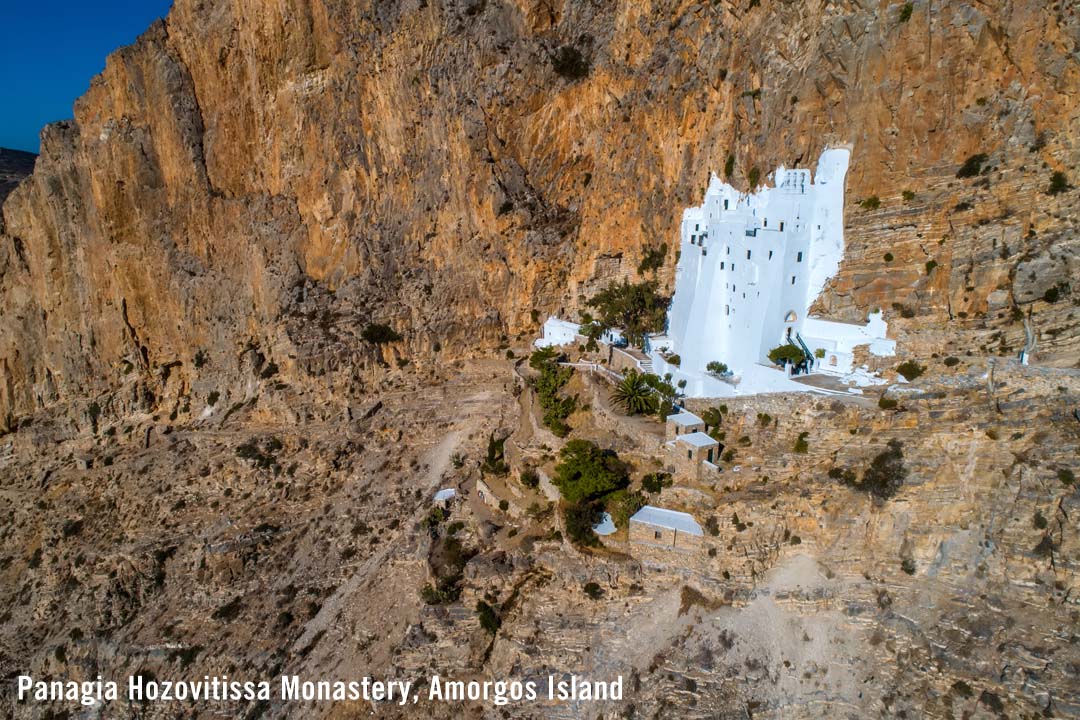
{"points": [[49, 50]]}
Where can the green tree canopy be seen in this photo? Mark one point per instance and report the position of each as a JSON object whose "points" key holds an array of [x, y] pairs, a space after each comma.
{"points": [[636, 308], [586, 471]]}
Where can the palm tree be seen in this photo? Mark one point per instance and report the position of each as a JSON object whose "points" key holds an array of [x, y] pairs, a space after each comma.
{"points": [[634, 395]]}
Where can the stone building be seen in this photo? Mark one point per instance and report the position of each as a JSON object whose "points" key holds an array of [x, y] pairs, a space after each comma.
{"points": [[654, 528], [682, 423], [692, 454]]}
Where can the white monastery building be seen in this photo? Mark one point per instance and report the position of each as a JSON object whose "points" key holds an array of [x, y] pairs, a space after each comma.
{"points": [[750, 266]]}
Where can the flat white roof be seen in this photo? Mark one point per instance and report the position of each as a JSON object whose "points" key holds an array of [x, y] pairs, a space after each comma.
{"points": [[671, 519], [445, 494], [606, 526], [697, 439], [685, 418]]}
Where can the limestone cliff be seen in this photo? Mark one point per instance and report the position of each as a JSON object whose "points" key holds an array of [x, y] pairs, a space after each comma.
{"points": [[254, 183]]}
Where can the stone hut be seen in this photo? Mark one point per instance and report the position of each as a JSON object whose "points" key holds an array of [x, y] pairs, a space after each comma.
{"points": [[658, 529], [694, 455], [683, 423]]}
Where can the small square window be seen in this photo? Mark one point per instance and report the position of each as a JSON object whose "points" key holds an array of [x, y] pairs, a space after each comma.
{"points": [[657, 535]]}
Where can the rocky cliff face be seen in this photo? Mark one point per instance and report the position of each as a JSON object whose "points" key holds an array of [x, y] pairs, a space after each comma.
{"points": [[450, 167]]}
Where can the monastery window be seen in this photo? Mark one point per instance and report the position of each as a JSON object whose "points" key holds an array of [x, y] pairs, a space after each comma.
{"points": [[770, 254], [781, 226], [766, 222], [747, 254], [710, 449], [792, 279], [728, 249], [689, 454], [696, 227], [727, 309], [798, 258], [721, 265], [732, 267], [657, 535], [692, 239], [725, 203]]}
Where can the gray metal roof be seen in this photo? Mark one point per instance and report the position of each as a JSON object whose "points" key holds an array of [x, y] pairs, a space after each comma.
{"points": [[697, 439], [671, 519], [685, 418]]}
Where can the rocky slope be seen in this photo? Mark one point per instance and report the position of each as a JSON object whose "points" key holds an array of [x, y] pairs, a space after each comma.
{"points": [[449, 167]]}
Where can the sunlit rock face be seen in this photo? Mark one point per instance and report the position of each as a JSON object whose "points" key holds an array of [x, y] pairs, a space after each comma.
{"points": [[274, 177]]}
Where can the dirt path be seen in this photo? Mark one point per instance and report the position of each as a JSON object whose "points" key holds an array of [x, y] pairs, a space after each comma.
{"points": [[438, 459]]}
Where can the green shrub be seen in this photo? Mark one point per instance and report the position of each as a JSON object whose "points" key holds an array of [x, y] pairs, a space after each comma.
{"points": [[871, 203], [763, 419], [930, 265], [1059, 183], [674, 360], [801, 445], [489, 619], [951, 361], [379, 334], [889, 257], [552, 378], [729, 166], [622, 504], [495, 460], [578, 519], [713, 417], [212, 398], [593, 590], [753, 177], [1066, 476], [570, 63], [653, 259], [504, 505], [788, 351], [716, 367], [886, 473], [201, 358], [712, 525], [910, 370], [530, 478], [908, 195], [905, 12], [886, 403], [1055, 293], [655, 482], [972, 166]]}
